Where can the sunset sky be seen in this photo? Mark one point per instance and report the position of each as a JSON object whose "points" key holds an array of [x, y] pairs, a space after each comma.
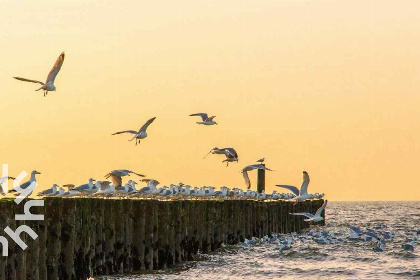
{"points": [[330, 87]]}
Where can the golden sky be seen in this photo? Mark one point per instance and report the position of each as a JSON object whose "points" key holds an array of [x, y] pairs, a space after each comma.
{"points": [[330, 87]]}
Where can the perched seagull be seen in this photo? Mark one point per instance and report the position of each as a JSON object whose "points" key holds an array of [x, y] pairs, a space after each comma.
{"points": [[49, 192], [116, 175], [301, 194], [85, 188], [245, 170], [2, 180], [141, 134], [313, 218], [106, 189], [125, 188], [28, 183], [49, 83], [206, 119], [261, 160]]}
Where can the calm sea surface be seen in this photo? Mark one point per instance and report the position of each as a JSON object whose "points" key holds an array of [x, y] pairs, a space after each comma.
{"points": [[309, 260]]}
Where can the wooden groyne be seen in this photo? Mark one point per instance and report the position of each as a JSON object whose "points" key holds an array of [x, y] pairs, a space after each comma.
{"points": [[83, 237]]}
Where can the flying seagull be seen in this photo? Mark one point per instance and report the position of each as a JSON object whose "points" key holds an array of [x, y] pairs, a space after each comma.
{"points": [[206, 119], [301, 194], [49, 83], [230, 153], [249, 168], [116, 175], [141, 134], [313, 218]]}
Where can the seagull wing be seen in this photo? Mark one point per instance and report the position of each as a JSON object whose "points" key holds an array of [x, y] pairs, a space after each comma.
{"points": [[27, 80], [125, 131], [82, 187], [231, 153], [116, 180], [320, 209], [56, 68], [203, 116], [308, 215], [247, 181], [304, 187], [146, 125], [293, 189], [49, 191], [129, 171]]}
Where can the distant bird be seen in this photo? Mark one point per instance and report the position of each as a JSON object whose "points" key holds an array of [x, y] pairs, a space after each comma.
{"points": [[28, 183], [49, 83], [49, 192], [138, 135], [245, 170], [206, 119], [301, 194], [313, 218], [116, 175], [409, 246], [261, 160]]}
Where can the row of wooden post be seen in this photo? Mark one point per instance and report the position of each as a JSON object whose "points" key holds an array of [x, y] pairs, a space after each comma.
{"points": [[82, 237]]}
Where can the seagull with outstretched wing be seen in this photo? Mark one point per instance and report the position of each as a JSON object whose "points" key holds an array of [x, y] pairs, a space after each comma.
{"points": [[245, 170], [116, 175], [49, 83], [301, 194], [141, 134], [206, 120], [313, 218]]}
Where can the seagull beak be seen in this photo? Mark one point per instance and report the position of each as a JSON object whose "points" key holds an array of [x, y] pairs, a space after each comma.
{"points": [[38, 172]]}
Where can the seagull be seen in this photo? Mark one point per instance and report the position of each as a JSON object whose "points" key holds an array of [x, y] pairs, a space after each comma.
{"points": [[116, 175], [230, 153], [28, 183], [49, 83], [85, 188], [49, 192], [206, 119], [245, 170], [125, 188], [313, 218], [106, 188], [141, 134], [301, 194], [261, 160]]}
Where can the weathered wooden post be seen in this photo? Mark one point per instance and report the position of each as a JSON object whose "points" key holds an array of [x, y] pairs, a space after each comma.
{"points": [[261, 180]]}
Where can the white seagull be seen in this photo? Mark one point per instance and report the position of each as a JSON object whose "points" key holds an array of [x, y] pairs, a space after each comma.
{"points": [[49, 83], [245, 170], [301, 194], [206, 119], [85, 188], [28, 183], [2, 180], [313, 218], [116, 175], [49, 192], [138, 135]]}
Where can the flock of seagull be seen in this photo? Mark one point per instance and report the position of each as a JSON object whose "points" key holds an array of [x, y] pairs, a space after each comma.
{"points": [[114, 187], [378, 235]]}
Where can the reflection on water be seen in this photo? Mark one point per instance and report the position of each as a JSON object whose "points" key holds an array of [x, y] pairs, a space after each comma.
{"points": [[309, 260]]}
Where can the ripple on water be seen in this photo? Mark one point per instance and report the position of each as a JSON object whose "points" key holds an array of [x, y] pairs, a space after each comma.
{"points": [[308, 260]]}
